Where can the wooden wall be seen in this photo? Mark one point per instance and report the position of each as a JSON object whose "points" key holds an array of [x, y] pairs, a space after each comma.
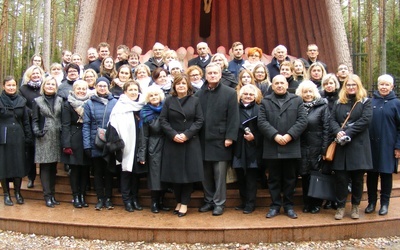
{"points": [[261, 23]]}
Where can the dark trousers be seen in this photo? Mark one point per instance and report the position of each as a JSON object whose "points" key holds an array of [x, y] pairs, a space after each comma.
{"points": [[342, 181], [103, 178], [308, 200], [48, 172], [282, 179], [30, 162], [79, 178], [247, 185], [129, 186], [386, 187], [182, 192]]}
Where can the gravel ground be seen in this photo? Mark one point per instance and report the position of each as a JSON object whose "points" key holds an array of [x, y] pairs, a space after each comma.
{"points": [[15, 240]]}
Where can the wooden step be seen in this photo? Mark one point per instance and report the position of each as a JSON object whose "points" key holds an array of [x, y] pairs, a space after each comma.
{"points": [[233, 226]]}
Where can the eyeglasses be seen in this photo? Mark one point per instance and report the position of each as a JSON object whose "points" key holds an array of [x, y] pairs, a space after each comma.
{"points": [[249, 94], [195, 75], [102, 86]]}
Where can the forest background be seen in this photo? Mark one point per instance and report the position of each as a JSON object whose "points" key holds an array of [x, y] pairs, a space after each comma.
{"points": [[372, 27]]}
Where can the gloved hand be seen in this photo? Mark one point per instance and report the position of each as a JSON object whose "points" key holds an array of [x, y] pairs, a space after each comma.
{"points": [[88, 152], [68, 151], [40, 133]]}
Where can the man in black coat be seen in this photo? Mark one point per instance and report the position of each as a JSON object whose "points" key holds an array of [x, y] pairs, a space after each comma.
{"points": [[157, 60], [312, 57], [203, 59], [220, 129], [282, 119], [280, 55]]}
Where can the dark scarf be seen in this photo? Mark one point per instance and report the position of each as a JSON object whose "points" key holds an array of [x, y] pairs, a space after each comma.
{"points": [[149, 113], [8, 100]]}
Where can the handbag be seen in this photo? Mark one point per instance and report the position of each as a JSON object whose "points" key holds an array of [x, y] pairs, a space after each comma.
{"points": [[322, 186], [330, 151], [231, 176], [100, 139]]}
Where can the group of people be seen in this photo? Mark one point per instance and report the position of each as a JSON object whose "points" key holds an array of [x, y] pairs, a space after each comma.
{"points": [[181, 125]]}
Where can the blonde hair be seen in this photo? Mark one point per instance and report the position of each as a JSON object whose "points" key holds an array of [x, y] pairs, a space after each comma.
{"points": [[361, 91], [240, 85], [48, 79], [257, 92], [153, 89], [307, 84], [29, 71]]}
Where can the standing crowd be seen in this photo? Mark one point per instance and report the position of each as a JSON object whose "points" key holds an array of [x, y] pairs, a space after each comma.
{"points": [[182, 125]]}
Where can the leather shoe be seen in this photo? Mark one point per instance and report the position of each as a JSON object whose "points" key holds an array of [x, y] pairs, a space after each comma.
{"points": [[108, 204], [384, 210], [240, 207], [272, 213], [315, 210], [176, 212], [181, 214], [48, 201], [54, 201], [30, 184], [206, 207], [248, 209], [306, 209], [154, 207], [370, 208], [128, 207], [291, 214], [218, 210], [136, 205]]}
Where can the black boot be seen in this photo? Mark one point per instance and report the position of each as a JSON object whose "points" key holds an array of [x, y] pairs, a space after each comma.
{"points": [[6, 191], [17, 190], [77, 202], [49, 202], [161, 203], [100, 204], [83, 201], [53, 200], [136, 205], [154, 205]]}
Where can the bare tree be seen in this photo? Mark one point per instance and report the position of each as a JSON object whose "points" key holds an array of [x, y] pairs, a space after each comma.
{"points": [[85, 25], [338, 31], [46, 34]]}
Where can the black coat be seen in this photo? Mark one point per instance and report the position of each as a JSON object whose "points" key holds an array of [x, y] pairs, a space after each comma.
{"points": [[316, 138], [29, 93], [247, 153], [150, 150], [331, 97], [288, 118], [228, 79], [71, 136], [196, 61], [153, 64], [221, 121], [15, 127], [384, 132], [355, 155], [273, 68], [182, 162]]}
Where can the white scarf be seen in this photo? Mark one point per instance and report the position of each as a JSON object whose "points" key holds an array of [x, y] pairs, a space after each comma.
{"points": [[123, 120]]}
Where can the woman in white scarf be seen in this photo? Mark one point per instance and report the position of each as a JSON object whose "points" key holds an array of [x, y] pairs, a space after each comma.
{"points": [[124, 120]]}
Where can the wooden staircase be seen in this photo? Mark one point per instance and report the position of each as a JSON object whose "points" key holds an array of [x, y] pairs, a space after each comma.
{"points": [[232, 226]]}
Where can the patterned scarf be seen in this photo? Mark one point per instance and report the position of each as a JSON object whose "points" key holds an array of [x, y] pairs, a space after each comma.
{"points": [[309, 105], [34, 85], [149, 113], [77, 104]]}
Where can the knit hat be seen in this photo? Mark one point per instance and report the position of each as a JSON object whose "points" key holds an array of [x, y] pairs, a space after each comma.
{"points": [[174, 64], [102, 79]]}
